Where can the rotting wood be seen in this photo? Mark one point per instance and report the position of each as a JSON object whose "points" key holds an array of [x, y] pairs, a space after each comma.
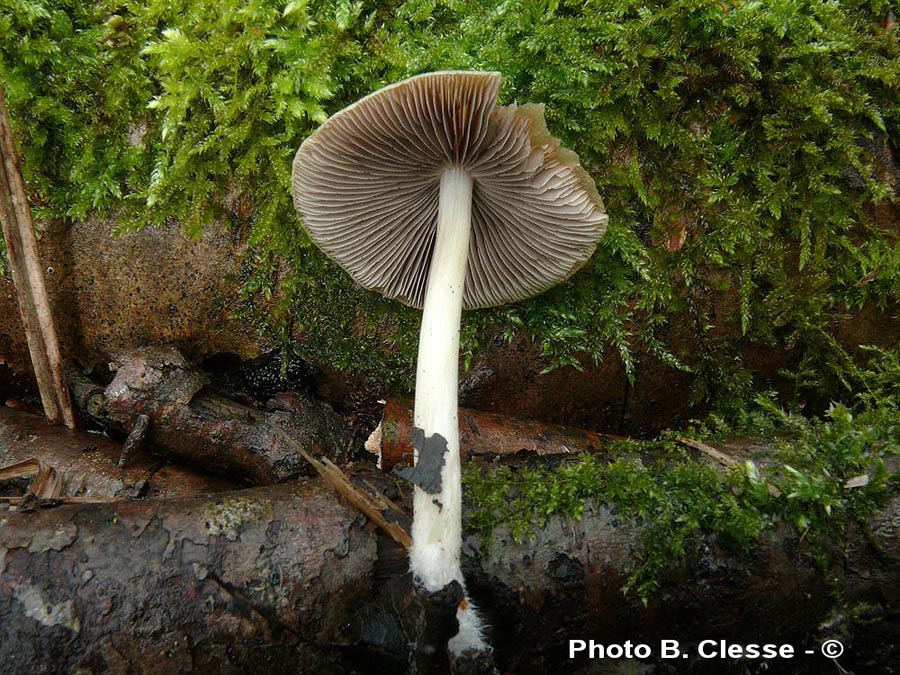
{"points": [[46, 483], [281, 575], [137, 439], [219, 583], [190, 422], [28, 277], [87, 463], [482, 433]]}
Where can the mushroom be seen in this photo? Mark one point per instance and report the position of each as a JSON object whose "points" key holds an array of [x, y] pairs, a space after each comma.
{"points": [[430, 193]]}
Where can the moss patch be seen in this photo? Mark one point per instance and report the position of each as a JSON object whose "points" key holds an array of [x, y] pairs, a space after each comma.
{"points": [[678, 500], [746, 154]]}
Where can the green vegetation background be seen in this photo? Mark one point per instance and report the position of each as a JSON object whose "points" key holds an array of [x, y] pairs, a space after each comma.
{"points": [[741, 148]]}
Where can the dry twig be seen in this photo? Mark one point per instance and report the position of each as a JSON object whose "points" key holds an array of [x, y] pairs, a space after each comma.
{"points": [[721, 458], [372, 507]]}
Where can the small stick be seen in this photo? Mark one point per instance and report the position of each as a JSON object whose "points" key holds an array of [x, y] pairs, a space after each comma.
{"points": [[721, 458], [368, 506], [28, 276], [710, 451], [15, 501], [385, 501]]}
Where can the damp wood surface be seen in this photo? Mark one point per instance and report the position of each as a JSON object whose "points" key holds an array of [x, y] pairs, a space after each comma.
{"points": [[189, 421], [290, 577], [485, 434], [88, 463], [277, 579], [180, 585]]}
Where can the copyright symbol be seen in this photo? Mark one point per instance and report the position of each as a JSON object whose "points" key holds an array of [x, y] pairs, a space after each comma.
{"points": [[832, 649]]}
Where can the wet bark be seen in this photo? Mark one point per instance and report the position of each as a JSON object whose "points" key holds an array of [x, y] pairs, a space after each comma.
{"points": [[566, 583], [189, 421], [88, 463], [482, 433], [280, 579], [247, 581]]}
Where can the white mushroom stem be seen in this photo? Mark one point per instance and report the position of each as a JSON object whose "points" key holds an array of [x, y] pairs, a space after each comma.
{"points": [[437, 520]]}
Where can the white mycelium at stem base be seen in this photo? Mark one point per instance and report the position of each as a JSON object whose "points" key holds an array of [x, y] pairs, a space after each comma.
{"points": [[437, 518]]}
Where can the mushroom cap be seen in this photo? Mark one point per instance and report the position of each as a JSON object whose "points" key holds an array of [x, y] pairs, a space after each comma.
{"points": [[366, 187]]}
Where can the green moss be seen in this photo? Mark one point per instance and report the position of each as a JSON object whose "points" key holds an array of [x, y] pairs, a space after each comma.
{"points": [[674, 501], [739, 149], [677, 500]]}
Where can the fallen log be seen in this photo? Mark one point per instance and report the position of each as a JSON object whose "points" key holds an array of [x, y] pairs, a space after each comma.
{"points": [[88, 463], [481, 433], [566, 583], [187, 420], [186, 585], [279, 579]]}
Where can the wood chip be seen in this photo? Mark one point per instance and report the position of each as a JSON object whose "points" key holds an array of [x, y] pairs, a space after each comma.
{"points": [[857, 481], [47, 483]]}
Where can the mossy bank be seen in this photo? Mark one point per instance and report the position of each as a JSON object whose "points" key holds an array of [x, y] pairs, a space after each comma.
{"points": [[745, 152]]}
